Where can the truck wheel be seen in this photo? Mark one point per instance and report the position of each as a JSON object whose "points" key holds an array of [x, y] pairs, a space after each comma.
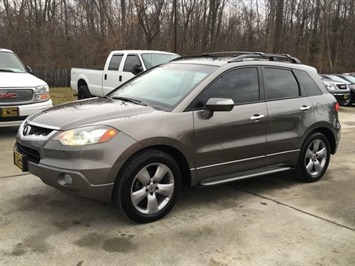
{"points": [[83, 92], [313, 159], [148, 187]]}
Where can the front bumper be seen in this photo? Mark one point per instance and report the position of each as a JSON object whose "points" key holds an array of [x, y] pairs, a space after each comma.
{"points": [[91, 170], [80, 185], [24, 111], [342, 96]]}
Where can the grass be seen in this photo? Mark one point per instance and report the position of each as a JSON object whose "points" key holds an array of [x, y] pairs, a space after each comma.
{"points": [[62, 95]]}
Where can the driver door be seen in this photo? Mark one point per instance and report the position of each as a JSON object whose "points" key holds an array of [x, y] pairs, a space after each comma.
{"points": [[233, 141]]}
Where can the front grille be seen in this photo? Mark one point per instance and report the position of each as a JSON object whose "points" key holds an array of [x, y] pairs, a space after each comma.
{"points": [[341, 86], [30, 130], [11, 96], [32, 154]]}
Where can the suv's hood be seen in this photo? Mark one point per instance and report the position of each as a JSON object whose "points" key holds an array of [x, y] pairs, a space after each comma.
{"points": [[84, 112], [19, 80]]}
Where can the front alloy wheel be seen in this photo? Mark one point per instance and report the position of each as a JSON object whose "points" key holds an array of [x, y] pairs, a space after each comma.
{"points": [[148, 186], [152, 188]]}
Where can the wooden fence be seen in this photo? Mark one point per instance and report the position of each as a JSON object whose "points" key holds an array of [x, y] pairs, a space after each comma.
{"points": [[54, 78]]}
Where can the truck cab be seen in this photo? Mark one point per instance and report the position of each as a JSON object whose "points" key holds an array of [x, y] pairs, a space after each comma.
{"points": [[21, 93], [120, 66]]}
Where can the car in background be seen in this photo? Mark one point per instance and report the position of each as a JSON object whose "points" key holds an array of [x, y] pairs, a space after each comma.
{"points": [[21, 93], [351, 79], [349, 74], [348, 80]]}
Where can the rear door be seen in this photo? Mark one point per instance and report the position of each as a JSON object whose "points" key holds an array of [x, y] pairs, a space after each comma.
{"points": [[111, 76], [232, 141], [290, 113]]}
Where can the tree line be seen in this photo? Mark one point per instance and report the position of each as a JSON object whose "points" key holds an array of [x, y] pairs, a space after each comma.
{"points": [[60, 34]]}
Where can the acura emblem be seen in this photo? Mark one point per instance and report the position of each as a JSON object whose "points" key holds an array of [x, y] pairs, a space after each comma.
{"points": [[26, 130]]}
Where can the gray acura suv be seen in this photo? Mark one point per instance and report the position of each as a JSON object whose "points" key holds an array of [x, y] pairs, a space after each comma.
{"points": [[202, 120]]}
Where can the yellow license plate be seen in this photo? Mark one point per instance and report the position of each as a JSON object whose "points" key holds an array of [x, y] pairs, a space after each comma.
{"points": [[9, 112], [20, 161]]}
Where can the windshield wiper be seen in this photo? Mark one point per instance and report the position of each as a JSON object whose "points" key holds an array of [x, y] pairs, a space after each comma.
{"points": [[125, 99], [6, 70]]}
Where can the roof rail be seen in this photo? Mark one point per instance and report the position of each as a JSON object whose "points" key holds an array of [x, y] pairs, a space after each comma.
{"points": [[270, 57], [239, 56], [214, 54]]}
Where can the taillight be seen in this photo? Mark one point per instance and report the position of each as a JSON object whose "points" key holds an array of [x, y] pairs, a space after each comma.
{"points": [[336, 107]]}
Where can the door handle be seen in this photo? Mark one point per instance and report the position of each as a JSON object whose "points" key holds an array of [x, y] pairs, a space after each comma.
{"points": [[305, 107], [120, 78], [105, 77], [256, 117]]}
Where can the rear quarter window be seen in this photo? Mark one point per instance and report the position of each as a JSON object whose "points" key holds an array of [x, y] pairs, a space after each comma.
{"points": [[308, 83]]}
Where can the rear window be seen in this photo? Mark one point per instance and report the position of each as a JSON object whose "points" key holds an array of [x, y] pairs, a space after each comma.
{"points": [[115, 62], [280, 84]]}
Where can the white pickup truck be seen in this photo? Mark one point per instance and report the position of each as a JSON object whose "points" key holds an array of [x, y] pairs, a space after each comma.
{"points": [[120, 66], [21, 93]]}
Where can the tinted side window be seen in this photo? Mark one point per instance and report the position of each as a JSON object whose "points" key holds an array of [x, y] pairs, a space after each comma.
{"points": [[240, 85], [308, 83], [115, 62], [130, 61], [280, 84]]}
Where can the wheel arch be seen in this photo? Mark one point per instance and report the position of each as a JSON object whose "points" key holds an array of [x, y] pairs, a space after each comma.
{"points": [[173, 152], [329, 135], [81, 82]]}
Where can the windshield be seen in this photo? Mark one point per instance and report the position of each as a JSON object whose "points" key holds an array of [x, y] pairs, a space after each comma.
{"points": [[10, 63], [164, 86], [350, 78], [339, 79], [154, 59]]}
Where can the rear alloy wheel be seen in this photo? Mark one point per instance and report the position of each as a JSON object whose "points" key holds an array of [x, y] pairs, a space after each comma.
{"points": [[148, 187], [314, 158]]}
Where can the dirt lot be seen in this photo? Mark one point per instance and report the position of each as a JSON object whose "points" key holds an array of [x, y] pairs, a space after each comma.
{"points": [[272, 220]]}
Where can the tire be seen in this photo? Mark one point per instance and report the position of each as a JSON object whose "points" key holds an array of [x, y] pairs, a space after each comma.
{"points": [[347, 102], [83, 92], [148, 186], [352, 99], [314, 158]]}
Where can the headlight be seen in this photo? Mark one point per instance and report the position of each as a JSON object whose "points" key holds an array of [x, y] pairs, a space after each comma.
{"points": [[86, 135], [330, 87], [41, 93]]}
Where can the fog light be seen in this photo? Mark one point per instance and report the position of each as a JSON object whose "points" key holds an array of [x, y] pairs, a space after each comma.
{"points": [[68, 179]]}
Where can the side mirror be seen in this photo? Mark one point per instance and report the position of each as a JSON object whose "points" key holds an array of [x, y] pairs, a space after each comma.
{"points": [[218, 105], [136, 69], [29, 70]]}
